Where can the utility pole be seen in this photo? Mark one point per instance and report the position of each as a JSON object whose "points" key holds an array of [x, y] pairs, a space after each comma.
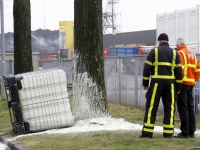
{"points": [[3, 63], [44, 29], [112, 18], [113, 30]]}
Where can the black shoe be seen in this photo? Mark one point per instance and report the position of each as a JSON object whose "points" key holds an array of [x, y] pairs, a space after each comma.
{"points": [[145, 136], [191, 136], [167, 135], [180, 135]]}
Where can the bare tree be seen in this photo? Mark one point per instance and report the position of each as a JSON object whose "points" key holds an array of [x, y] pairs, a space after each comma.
{"points": [[89, 96], [22, 36]]}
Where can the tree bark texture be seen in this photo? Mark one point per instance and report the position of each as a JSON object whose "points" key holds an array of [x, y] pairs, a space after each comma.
{"points": [[89, 85], [22, 36]]}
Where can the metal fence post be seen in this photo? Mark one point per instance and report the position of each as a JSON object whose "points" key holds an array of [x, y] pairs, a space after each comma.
{"points": [[60, 62], [12, 66], [73, 66], [3, 63], [105, 74], [120, 74], [136, 81]]}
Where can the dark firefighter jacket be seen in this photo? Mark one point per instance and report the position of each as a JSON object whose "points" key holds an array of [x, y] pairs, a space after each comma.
{"points": [[163, 66]]}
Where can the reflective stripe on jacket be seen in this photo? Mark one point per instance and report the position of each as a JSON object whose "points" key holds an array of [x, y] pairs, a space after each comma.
{"points": [[163, 66], [190, 66], [197, 72]]}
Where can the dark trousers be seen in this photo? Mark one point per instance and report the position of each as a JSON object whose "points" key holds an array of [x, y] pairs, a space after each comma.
{"points": [[153, 95], [185, 105]]}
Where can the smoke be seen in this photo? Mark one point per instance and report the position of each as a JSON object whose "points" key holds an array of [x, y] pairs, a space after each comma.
{"points": [[43, 41]]}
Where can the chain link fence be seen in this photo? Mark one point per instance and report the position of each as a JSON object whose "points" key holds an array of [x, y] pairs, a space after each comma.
{"points": [[123, 79], [10, 66], [67, 65]]}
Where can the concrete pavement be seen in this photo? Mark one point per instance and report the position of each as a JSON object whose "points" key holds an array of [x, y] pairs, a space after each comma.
{"points": [[11, 142]]}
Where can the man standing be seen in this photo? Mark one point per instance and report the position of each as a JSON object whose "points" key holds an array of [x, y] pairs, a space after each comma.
{"points": [[185, 103], [164, 67]]}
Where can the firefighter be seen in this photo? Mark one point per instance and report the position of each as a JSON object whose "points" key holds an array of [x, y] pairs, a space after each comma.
{"points": [[163, 66], [185, 103]]}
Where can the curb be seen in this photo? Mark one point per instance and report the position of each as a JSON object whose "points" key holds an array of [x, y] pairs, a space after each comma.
{"points": [[11, 142]]}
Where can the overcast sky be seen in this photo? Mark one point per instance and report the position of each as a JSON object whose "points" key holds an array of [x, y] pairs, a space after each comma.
{"points": [[135, 15]]}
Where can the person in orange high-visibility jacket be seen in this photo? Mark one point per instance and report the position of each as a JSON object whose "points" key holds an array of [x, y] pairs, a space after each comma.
{"points": [[185, 102], [197, 72], [163, 66]]}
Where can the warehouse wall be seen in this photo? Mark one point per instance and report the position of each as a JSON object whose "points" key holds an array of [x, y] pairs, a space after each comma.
{"points": [[147, 37]]}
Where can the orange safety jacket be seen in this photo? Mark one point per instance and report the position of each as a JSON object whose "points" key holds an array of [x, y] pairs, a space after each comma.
{"points": [[197, 72], [190, 66]]}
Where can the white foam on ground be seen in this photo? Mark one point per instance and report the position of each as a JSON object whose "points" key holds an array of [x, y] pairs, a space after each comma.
{"points": [[101, 124], [3, 147]]}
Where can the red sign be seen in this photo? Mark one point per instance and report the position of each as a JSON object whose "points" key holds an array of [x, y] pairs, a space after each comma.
{"points": [[46, 58], [106, 52], [144, 50]]}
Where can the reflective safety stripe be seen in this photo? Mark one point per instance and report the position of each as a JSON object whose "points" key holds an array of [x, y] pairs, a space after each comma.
{"points": [[148, 62], [179, 65], [168, 131], [197, 70], [173, 62], [149, 125], [156, 61], [179, 81], [172, 65], [163, 77], [172, 105], [195, 60], [168, 126], [147, 130], [189, 79], [164, 64], [145, 78], [190, 65], [186, 66], [152, 103]]}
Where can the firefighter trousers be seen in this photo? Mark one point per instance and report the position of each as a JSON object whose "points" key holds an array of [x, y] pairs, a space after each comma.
{"points": [[185, 105], [166, 91]]}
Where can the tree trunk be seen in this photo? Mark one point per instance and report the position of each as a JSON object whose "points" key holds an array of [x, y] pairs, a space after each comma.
{"points": [[89, 96], [22, 37]]}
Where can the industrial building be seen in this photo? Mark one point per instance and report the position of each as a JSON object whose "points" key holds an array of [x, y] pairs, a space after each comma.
{"points": [[66, 39], [146, 37]]}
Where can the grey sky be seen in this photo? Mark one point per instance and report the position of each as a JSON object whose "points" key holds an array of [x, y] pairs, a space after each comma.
{"points": [[135, 15]]}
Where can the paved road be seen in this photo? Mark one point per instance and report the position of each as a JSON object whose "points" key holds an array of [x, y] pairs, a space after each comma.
{"points": [[3, 147]]}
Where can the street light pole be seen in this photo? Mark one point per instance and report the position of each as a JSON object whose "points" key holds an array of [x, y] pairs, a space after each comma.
{"points": [[3, 63]]}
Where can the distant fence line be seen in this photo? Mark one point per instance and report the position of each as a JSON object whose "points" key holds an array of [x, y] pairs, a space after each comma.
{"points": [[123, 79], [10, 66], [67, 65]]}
